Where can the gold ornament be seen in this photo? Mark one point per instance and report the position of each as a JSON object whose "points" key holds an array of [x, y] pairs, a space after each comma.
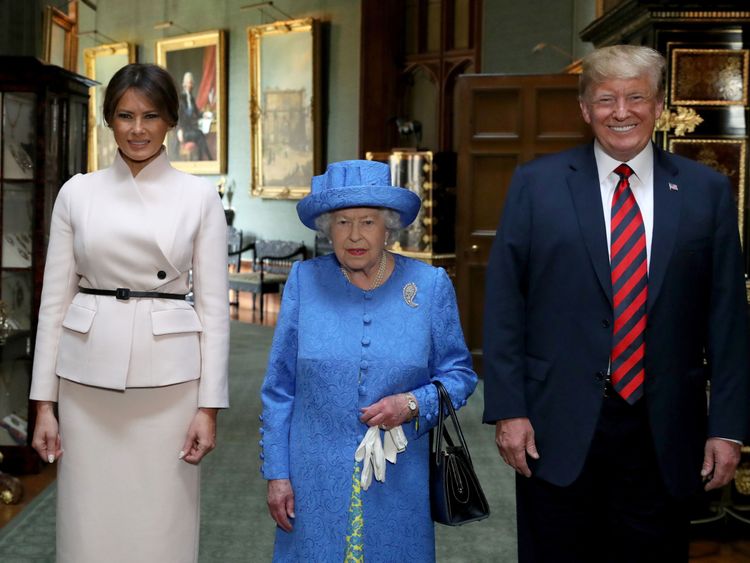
{"points": [[685, 120]]}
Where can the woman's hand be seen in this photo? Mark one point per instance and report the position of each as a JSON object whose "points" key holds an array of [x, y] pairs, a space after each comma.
{"points": [[388, 412], [281, 502], [201, 436], [46, 439]]}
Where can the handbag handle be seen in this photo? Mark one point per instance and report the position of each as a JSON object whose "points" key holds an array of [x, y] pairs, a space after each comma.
{"points": [[445, 403]]}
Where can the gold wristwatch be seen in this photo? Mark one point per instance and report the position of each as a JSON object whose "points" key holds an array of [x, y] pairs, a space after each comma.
{"points": [[411, 404]]}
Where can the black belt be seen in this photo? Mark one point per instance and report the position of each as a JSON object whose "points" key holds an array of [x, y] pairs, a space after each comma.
{"points": [[125, 293]]}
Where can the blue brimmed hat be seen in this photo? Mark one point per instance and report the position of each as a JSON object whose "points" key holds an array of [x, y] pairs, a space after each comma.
{"points": [[357, 183]]}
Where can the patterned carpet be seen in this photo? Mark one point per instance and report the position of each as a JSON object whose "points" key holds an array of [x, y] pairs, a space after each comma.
{"points": [[235, 526]]}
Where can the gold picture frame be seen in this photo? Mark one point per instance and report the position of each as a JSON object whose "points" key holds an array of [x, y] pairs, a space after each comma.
{"points": [[101, 63], [709, 77], [60, 38], [727, 156], [285, 131], [198, 143]]}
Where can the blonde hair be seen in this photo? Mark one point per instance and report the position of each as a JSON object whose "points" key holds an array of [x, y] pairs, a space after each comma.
{"points": [[622, 62]]}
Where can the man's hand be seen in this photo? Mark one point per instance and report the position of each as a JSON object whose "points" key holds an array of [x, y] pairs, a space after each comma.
{"points": [[281, 502], [515, 439], [720, 461]]}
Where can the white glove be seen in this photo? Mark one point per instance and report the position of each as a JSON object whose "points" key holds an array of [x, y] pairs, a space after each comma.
{"points": [[394, 442], [370, 453], [373, 454]]}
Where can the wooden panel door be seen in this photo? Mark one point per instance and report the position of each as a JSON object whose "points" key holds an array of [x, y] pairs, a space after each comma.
{"points": [[503, 121]]}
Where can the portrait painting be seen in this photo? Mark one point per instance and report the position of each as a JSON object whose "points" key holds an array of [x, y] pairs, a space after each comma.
{"points": [[101, 64], [284, 108], [197, 144]]}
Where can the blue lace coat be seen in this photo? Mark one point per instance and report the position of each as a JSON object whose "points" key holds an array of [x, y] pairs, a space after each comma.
{"points": [[337, 349]]}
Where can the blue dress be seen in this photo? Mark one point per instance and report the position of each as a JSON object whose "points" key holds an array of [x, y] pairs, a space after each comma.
{"points": [[336, 349]]}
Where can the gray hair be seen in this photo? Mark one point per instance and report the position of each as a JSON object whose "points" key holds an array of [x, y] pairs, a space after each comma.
{"points": [[622, 62], [391, 217]]}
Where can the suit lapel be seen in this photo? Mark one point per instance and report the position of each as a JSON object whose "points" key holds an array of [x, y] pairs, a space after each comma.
{"points": [[134, 191], [667, 204], [583, 182]]}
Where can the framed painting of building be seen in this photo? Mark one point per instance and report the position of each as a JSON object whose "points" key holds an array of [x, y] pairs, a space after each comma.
{"points": [[285, 106], [101, 64], [197, 144]]}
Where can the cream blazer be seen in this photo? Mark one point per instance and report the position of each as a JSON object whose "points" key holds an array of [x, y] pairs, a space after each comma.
{"points": [[109, 230]]}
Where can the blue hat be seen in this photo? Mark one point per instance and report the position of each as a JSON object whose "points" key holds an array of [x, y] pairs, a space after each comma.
{"points": [[357, 183]]}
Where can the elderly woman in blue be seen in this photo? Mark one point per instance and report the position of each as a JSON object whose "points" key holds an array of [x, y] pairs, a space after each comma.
{"points": [[361, 335]]}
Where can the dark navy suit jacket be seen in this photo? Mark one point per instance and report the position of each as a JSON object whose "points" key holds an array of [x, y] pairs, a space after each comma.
{"points": [[548, 315]]}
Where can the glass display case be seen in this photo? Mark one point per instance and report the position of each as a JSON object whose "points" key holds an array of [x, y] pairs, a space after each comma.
{"points": [[431, 176], [43, 113]]}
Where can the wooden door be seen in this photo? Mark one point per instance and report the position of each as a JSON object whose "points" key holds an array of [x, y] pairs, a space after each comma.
{"points": [[502, 121]]}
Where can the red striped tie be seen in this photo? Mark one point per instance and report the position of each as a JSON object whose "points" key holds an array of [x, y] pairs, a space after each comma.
{"points": [[630, 290]]}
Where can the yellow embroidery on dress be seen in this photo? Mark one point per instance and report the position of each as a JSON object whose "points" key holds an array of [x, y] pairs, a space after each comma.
{"points": [[355, 547]]}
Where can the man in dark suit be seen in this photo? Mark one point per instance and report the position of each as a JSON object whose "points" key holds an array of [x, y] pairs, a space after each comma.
{"points": [[188, 128], [614, 294]]}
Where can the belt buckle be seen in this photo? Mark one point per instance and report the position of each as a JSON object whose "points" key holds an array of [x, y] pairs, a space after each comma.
{"points": [[122, 293]]}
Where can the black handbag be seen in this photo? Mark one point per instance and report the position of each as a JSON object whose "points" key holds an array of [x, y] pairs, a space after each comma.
{"points": [[456, 497]]}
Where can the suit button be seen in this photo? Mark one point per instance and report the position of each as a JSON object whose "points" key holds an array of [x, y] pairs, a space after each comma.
{"points": [[161, 274], [605, 323]]}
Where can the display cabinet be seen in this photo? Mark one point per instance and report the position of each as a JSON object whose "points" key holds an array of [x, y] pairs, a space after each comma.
{"points": [[44, 111], [431, 176]]}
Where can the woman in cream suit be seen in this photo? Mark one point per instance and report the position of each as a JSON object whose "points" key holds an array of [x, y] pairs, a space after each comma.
{"points": [[138, 373]]}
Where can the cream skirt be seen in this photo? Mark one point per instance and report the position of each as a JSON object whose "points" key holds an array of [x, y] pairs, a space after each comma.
{"points": [[123, 496]]}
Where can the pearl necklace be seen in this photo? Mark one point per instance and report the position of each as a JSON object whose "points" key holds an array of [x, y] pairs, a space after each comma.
{"points": [[378, 281]]}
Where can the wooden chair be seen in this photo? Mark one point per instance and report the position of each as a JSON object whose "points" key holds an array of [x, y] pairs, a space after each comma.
{"points": [[322, 245], [237, 244], [271, 264]]}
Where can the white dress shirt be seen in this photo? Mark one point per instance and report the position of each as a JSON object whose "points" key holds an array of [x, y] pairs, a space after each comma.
{"points": [[641, 184]]}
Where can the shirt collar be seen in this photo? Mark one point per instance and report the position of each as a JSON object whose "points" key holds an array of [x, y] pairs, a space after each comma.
{"points": [[642, 163]]}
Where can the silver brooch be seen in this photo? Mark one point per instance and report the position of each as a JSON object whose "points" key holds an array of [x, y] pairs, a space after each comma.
{"points": [[410, 292]]}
